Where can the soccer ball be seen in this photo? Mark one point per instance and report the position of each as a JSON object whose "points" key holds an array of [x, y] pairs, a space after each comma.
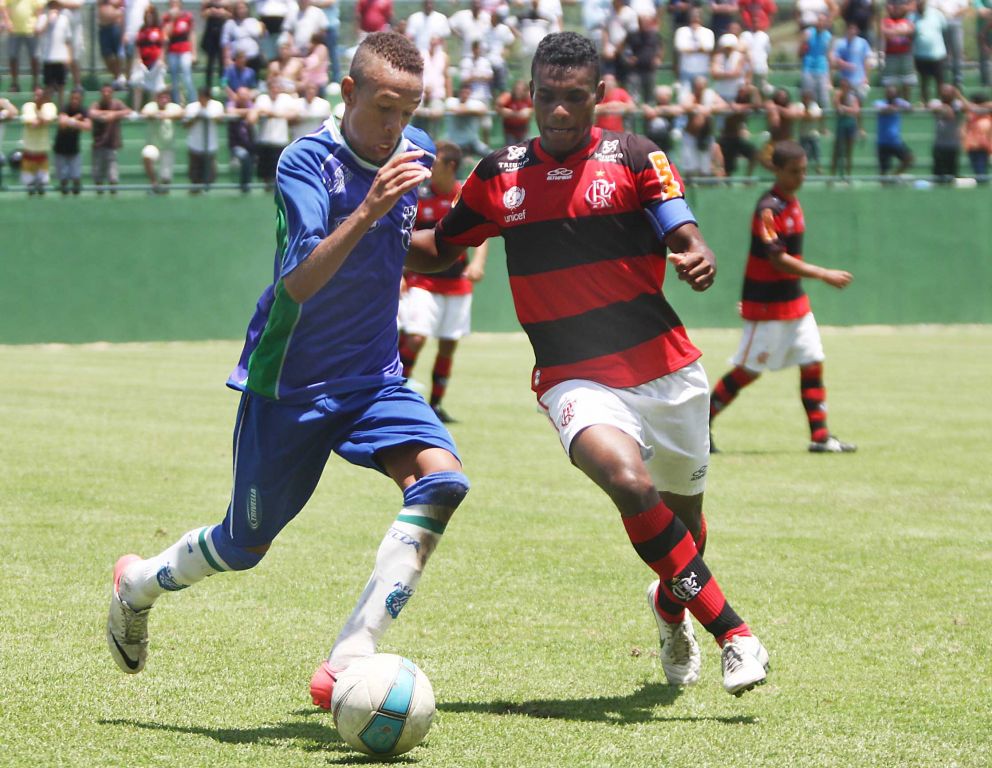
{"points": [[383, 705]]}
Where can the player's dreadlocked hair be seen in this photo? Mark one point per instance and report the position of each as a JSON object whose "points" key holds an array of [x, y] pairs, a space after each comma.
{"points": [[785, 152], [567, 50], [393, 48]]}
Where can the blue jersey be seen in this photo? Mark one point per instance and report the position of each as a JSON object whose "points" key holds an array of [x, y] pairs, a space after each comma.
{"points": [[344, 337]]}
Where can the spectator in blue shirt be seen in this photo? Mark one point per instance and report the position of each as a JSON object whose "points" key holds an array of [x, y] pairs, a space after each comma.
{"points": [[815, 50], [850, 58], [890, 141], [239, 75]]}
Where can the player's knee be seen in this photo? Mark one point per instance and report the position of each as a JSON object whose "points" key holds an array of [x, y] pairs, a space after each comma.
{"points": [[441, 490], [235, 556], [631, 488]]}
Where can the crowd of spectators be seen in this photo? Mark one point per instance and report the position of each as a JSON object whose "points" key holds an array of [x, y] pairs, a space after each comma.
{"points": [[271, 68]]}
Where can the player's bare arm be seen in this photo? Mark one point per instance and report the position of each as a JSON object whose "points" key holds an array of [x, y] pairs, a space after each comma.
{"points": [[476, 268], [394, 179], [692, 258], [836, 278], [427, 255]]}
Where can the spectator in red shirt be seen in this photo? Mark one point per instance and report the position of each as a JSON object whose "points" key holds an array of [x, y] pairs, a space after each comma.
{"points": [[181, 53], [148, 73], [615, 104], [373, 16], [515, 108], [757, 14]]}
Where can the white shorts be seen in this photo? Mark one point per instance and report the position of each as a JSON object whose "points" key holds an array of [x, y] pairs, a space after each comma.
{"points": [[437, 315], [151, 80], [668, 417], [775, 344]]}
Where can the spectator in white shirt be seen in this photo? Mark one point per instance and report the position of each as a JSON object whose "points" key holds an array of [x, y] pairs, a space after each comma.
{"points": [[757, 47], [422, 26], [621, 21], [694, 45], [273, 111], [54, 30], [495, 41], [470, 24], [302, 22], [201, 120], [311, 112], [727, 68], [954, 11]]}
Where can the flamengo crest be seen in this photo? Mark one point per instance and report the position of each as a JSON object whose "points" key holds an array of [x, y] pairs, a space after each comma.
{"points": [[599, 194]]}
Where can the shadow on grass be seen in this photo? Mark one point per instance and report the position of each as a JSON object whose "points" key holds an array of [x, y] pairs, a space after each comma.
{"points": [[638, 707], [305, 736]]}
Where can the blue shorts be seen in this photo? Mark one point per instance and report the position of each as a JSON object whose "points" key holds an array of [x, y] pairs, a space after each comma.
{"points": [[280, 450], [110, 40]]}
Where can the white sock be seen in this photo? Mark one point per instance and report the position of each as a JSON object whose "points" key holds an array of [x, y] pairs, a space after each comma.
{"points": [[186, 562], [401, 558]]}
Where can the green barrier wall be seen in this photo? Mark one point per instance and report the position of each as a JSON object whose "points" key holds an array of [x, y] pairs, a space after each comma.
{"points": [[130, 268]]}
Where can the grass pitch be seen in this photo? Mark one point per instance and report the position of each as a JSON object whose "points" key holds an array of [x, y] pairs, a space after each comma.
{"points": [[867, 576]]}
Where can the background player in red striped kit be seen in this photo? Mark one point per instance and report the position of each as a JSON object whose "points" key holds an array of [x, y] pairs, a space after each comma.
{"points": [[779, 328], [586, 215]]}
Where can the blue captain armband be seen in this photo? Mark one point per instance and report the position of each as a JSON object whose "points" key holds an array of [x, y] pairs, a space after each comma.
{"points": [[668, 215]]}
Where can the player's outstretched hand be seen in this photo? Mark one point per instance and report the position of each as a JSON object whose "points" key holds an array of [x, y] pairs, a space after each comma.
{"points": [[697, 268], [838, 278], [394, 179]]}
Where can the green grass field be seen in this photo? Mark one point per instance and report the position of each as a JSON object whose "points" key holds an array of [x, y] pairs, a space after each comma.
{"points": [[867, 576]]}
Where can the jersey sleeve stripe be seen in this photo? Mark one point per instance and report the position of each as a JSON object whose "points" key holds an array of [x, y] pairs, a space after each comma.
{"points": [[464, 226]]}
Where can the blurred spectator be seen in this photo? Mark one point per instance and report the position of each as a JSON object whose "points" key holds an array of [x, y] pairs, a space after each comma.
{"points": [[659, 118], [851, 59], [314, 65], [372, 16], [158, 156], [437, 87], [693, 49], [331, 33], [311, 112], [303, 22], [470, 25], [810, 122], [215, 15], [976, 136], [947, 114], [425, 24], [496, 42], [273, 111], [106, 115], [110, 32], [727, 67], [722, 14], [647, 12], [285, 68], [241, 136], [808, 11], [77, 45], [201, 118], [781, 116], [860, 13], [148, 73], [889, 124], [594, 18], [616, 104], [847, 108], [642, 59], [19, 17], [757, 15], [757, 47], [929, 52], [552, 10], [735, 139], [534, 24], [54, 28], [134, 19], [897, 31], [954, 12], [621, 21], [239, 75], [515, 109], [465, 116], [699, 105], [679, 12], [815, 50], [477, 73], [983, 29], [242, 33], [178, 25], [36, 116], [8, 112], [273, 15]]}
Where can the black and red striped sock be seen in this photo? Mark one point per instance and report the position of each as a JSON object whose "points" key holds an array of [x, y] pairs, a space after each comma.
{"points": [[408, 355], [814, 396], [728, 387], [668, 609], [665, 544], [439, 378]]}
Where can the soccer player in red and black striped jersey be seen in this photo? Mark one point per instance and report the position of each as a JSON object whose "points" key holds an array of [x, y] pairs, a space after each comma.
{"points": [[586, 216], [779, 328]]}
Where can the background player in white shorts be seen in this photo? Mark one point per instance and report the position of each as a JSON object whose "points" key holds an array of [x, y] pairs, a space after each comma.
{"points": [[779, 328], [439, 305]]}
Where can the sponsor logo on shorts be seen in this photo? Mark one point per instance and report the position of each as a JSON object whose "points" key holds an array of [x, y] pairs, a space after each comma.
{"points": [[399, 597], [254, 508], [686, 587], [404, 538], [700, 473], [167, 581]]}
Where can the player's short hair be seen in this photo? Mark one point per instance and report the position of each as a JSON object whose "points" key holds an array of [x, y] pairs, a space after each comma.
{"points": [[785, 152], [448, 152], [568, 50], [391, 47]]}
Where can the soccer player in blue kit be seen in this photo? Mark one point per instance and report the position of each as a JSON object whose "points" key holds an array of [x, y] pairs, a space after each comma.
{"points": [[320, 370]]}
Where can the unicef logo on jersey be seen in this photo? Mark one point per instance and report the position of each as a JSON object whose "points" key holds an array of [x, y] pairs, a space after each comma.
{"points": [[514, 197]]}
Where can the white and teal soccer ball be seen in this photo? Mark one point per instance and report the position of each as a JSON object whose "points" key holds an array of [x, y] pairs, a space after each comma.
{"points": [[383, 705]]}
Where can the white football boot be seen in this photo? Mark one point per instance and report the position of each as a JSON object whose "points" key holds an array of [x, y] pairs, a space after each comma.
{"points": [[745, 664], [127, 629], [679, 649]]}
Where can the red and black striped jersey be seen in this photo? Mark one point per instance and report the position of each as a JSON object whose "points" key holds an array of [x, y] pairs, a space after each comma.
{"points": [[586, 265], [770, 294], [431, 208]]}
